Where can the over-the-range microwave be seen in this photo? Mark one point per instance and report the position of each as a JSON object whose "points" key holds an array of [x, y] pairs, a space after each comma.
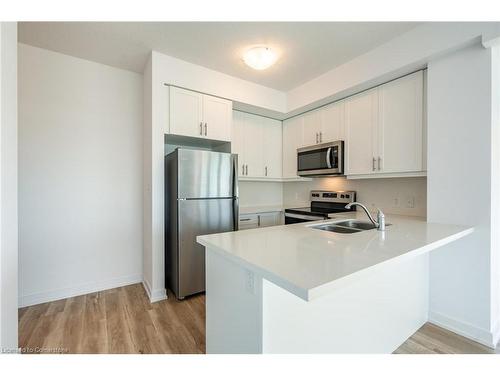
{"points": [[325, 159]]}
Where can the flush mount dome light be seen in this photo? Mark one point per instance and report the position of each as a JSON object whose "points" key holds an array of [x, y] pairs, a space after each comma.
{"points": [[260, 57]]}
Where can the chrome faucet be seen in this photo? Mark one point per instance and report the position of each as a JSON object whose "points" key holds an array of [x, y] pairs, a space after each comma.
{"points": [[379, 224]]}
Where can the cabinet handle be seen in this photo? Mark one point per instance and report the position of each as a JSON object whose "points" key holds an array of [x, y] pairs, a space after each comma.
{"points": [[247, 169], [266, 171], [317, 138], [373, 164], [205, 128], [248, 219], [201, 128], [258, 220], [379, 161], [320, 137]]}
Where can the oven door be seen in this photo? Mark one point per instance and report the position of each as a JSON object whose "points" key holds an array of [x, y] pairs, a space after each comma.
{"points": [[323, 159], [297, 218]]}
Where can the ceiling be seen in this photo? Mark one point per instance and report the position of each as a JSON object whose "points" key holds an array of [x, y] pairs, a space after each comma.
{"points": [[307, 49]]}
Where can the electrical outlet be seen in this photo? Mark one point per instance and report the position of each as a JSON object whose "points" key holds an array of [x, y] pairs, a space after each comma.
{"points": [[410, 202], [249, 282]]}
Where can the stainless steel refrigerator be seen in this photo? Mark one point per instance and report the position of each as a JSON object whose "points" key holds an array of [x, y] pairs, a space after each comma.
{"points": [[201, 190]]}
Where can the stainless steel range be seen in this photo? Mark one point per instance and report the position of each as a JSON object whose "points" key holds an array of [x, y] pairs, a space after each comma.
{"points": [[323, 203]]}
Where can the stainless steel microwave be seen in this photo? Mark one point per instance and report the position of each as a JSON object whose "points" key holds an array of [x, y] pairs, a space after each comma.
{"points": [[325, 159]]}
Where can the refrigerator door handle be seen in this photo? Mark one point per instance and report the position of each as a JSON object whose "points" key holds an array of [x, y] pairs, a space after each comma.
{"points": [[235, 193]]}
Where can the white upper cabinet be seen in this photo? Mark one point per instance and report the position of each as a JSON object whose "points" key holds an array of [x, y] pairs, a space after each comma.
{"points": [[257, 141], [332, 122], [312, 132], [361, 116], [198, 115], [400, 124], [384, 128], [292, 139], [186, 112], [238, 139], [217, 115], [254, 147], [272, 130], [324, 125]]}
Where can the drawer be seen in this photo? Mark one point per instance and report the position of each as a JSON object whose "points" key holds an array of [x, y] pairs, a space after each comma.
{"points": [[248, 221]]}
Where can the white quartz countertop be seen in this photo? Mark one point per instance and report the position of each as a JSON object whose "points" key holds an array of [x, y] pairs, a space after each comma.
{"points": [[310, 262]]}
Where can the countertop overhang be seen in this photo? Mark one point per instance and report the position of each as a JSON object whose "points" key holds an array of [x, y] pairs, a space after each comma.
{"points": [[310, 263]]}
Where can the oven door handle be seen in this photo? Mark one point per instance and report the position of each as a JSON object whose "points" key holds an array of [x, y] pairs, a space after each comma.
{"points": [[328, 157]]}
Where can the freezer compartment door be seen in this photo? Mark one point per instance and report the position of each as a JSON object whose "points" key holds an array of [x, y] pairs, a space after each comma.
{"points": [[206, 174], [198, 217]]}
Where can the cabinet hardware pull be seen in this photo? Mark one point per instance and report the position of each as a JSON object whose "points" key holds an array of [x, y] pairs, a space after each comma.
{"points": [[266, 171], [247, 169], [205, 128], [373, 164], [317, 138], [258, 220], [320, 137], [379, 161], [245, 219], [201, 128]]}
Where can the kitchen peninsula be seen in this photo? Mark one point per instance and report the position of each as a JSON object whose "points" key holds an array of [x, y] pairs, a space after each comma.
{"points": [[298, 289]]}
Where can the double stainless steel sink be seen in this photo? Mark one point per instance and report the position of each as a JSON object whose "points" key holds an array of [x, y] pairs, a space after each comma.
{"points": [[347, 227]]}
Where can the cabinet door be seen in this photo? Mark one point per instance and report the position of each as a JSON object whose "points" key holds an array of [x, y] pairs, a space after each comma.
{"points": [[254, 146], [361, 127], [186, 112], [400, 124], [238, 139], [292, 139], [332, 123], [312, 128], [217, 118], [272, 135], [269, 219], [248, 221]]}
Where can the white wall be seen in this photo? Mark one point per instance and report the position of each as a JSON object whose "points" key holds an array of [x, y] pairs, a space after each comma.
{"points": [[80, 176], [181, 73], [403, 54], [8, 186], [388, 194], [495, 193], [258, 193], [459, 189]]}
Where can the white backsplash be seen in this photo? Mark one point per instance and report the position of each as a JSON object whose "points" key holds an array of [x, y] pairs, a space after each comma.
{"points": [[403, 196], [260, 193]]}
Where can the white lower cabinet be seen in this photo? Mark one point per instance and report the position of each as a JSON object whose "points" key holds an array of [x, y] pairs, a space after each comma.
{"points": [[248, 221], [260, 220], [257, 141]]}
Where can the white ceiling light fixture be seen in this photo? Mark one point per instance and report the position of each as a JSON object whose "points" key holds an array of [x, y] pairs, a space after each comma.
{"points": [[260, 57]]}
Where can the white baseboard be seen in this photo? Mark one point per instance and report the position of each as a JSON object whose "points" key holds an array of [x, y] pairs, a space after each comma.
{"points": [[496, 333], [78, 290], [461, 328], [156, 295]]}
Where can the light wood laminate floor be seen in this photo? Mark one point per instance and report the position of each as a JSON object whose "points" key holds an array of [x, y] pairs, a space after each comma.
{"points": [[122, 320]]}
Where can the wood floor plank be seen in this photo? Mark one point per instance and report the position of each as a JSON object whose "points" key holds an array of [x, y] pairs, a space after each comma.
{"points": [[117, 326], [122, 320], [95, 338]]}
